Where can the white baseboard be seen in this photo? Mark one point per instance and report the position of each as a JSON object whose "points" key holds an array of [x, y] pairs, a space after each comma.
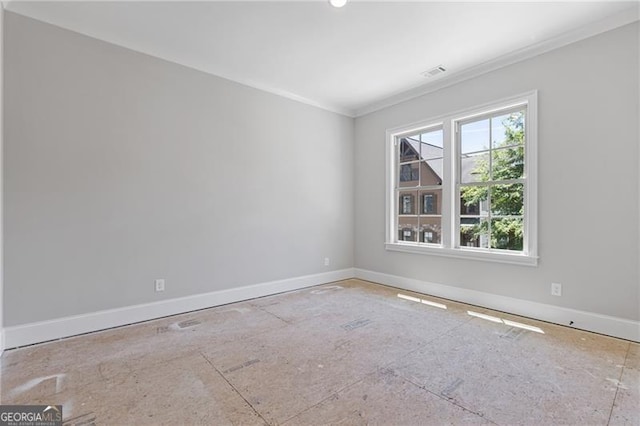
{"points": [[27, 334], [603, 324], [43, 331]]}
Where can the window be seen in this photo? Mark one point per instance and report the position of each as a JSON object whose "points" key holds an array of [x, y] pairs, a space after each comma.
{"points": [[428, 237], [407, 204], [465, 184], [408, 173], [428, 205]]}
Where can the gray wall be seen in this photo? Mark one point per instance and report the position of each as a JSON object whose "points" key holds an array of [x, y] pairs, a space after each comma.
{"points": [[1, 174], [121, 168], [588, 178]]}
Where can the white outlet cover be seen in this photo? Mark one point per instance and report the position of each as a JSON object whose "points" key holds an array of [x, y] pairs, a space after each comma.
{"points": [[556, 289], [160, 285]]}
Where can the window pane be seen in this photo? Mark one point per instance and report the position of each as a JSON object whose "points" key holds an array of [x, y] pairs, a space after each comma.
{"points": [[474, 136], [409, 150], [507, 163], [409, 174], [431, 172], [474, 167], [475, 233], [430, 202], [407, 203], [432, 145], [408, 229], [473, 201], [507, 233], [507, 129], [430, 230], [507, 200]]}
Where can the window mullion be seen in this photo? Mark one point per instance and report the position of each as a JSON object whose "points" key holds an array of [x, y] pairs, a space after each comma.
{"points": [[449, 186]]}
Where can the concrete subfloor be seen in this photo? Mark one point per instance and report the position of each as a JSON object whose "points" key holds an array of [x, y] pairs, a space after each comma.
{"points": [[350, 352]]}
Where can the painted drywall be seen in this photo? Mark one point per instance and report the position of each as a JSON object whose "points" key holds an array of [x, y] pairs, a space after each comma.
{"points": [[1, 175], [588, 179], [121, 168]]}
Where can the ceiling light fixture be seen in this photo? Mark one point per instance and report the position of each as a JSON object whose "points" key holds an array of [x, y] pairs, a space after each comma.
{"points": [[337, 3]]}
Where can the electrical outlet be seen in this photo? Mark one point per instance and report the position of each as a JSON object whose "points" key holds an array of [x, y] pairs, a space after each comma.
{"points": [[327, 261], [160, 285], [556, 289]]}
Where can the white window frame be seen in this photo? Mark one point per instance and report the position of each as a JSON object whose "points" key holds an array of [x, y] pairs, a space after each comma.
{"points": [[449, 246]]}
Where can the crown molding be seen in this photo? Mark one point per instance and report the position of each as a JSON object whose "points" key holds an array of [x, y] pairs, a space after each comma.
{"points": [[282, 93], [215, 73], [615, 21], [610, 23]]}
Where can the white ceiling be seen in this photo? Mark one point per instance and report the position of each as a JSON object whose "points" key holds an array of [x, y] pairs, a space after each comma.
{"points": [[350, 60]]}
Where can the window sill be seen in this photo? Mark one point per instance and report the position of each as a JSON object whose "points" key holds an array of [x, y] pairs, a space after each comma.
{"points": [[464, 253]]}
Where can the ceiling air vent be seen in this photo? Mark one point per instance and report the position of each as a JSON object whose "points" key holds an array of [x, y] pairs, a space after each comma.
{"points": [[434, 71]]}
